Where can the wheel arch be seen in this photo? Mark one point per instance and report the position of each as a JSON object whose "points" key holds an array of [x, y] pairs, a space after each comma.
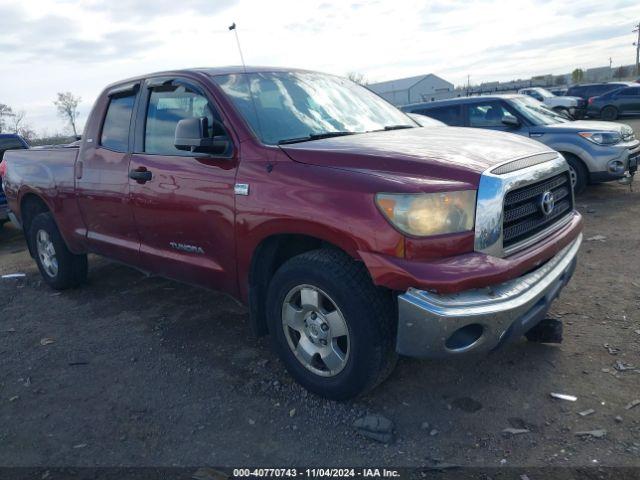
{"points": [[271, 253], [31, 205]]}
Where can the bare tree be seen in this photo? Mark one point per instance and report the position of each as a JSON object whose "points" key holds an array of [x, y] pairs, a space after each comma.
{"points": [[67, 105], [16, 121], [5, 112], [357, 77]]}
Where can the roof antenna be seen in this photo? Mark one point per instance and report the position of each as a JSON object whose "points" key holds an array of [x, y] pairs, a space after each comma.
{"points": [[246, 76], [235, 31]]}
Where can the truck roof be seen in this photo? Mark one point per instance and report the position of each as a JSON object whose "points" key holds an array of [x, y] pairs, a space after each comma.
{"points": [[211, 71]]}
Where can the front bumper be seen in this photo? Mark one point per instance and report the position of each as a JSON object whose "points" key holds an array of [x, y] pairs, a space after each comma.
{"points": [[434, 325]]}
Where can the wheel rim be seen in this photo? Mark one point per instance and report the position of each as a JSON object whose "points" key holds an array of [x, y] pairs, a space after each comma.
{"points": [[574, 176], [316, 330], [46, 253]]}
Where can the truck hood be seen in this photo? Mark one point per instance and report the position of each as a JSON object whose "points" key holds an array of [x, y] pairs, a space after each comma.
{"points": [[449, 153], [562, 101], [582, 126]]}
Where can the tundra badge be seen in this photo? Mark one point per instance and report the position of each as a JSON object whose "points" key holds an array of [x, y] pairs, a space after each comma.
{"points": [[186, 248]]}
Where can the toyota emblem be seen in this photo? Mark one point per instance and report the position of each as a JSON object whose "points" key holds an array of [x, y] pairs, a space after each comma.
{"points": [[547, 203]]}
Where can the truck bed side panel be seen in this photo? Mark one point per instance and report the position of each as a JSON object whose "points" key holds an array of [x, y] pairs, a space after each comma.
{"points": [[50, 175]]}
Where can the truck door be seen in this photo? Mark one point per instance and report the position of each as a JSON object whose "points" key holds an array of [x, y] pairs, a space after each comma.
{"points": [[183, 202], [102, 183]]}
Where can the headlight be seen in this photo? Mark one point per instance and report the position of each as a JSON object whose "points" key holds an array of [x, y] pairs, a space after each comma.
{"points": [[602, 138], [429, 213]]}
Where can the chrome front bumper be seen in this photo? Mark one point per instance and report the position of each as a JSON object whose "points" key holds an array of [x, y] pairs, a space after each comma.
{"points": [[438, 326]]}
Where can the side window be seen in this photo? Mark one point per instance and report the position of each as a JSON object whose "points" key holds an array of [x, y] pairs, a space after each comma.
{"points": [[169, 105], [449, 114], [115, 130], [630, 92], [489, 114]]}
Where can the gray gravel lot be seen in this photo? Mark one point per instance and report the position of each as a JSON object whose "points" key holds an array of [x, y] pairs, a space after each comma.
{"points": [[147, 372]]}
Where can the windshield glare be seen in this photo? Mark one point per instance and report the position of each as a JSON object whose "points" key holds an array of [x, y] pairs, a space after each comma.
{"points": [[295, 105], [536, 112]]}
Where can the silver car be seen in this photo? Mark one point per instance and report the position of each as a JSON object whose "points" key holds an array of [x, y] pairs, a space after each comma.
{"points": [[596, 151]]}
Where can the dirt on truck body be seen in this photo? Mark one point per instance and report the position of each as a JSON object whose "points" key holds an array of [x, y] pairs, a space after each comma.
{"points": [[350, 232]]}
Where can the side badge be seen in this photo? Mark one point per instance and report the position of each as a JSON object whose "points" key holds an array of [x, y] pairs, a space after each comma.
{"points": [[241, 189]]}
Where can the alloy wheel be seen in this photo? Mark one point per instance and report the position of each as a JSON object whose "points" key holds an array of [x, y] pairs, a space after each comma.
{"points": [[316, 330]]}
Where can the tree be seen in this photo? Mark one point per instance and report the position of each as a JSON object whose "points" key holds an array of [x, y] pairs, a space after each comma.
{"points": [[620, 73], [5, 112], [67, 105], [577, 75], [357, 77], [16, 121]]}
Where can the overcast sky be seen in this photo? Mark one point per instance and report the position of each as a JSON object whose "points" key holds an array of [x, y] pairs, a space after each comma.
{"points": [[82, 45]]}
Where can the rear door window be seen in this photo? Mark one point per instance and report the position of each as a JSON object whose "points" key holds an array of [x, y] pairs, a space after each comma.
{"points": [[449, 114], [115, 130]]}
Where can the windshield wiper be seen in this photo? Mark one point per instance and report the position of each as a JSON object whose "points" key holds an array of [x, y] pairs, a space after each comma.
{"points": [[393, 127], [315, 136]]}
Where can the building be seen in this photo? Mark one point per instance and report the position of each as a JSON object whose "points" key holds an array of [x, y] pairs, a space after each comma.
{"points": [[422, 88]]}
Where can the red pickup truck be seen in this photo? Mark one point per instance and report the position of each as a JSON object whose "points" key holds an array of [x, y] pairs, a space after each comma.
{"points": [[352, 233]]}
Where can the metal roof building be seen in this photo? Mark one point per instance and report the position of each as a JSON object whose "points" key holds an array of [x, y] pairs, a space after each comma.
{"points": [[421, 88]]}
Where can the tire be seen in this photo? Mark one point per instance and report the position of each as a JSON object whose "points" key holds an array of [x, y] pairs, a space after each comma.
{"points": [[60, 268], [327, 288], [579, 174], [609, 113]]}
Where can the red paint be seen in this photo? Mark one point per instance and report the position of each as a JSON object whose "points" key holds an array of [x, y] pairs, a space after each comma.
{"points": [[324, 189]]}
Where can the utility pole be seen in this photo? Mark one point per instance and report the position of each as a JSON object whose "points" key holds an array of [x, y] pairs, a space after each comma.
{"points": [[637, 44]]}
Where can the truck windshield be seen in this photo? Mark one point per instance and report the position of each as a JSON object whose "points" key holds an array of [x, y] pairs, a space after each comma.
{"points": [[290, 107], [536, 112]]}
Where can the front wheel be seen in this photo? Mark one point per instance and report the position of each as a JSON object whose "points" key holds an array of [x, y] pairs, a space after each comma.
{"points": [[333, 329], [578, 173], [60, 268]]}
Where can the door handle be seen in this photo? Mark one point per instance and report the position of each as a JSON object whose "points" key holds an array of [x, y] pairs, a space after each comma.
{"points": [[140, 175]]}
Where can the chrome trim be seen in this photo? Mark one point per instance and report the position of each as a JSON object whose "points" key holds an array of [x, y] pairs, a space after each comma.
{"points": [[426, 320], [490, 202]]}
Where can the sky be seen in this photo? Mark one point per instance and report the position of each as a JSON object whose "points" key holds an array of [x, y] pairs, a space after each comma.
{"points": [[51, 46]]}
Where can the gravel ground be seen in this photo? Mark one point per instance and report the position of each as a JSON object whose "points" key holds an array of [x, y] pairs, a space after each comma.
{"points": [[139, 371]]}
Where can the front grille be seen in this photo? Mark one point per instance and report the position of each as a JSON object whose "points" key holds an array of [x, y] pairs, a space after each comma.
{"points": [[523, 213]]}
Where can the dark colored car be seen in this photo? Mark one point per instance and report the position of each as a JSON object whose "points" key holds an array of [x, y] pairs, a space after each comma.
{"points": [[8, 141], [351, 233], [589, 90], [623, 101], [595, 151]]}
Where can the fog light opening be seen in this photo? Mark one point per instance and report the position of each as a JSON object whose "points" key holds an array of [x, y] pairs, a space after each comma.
{"points": [[465, 337], [616, 166]]}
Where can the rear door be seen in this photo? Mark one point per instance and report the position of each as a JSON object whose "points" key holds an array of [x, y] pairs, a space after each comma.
{"points": [[102, 182], [628, 100], [185, 210]]}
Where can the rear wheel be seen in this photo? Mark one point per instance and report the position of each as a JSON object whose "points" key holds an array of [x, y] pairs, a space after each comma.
{"points": [[578, 173], [60, 268], [333, 329], [609, 113]]}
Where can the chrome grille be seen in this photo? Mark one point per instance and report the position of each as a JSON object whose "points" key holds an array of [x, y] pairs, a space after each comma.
{"points": [[523, 214]]}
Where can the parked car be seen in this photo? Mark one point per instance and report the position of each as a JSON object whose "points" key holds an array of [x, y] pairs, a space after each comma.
{"points": [[596, 151], [8, 141], [571, 107], [559, 91], [588, 90], [351, 234], [616, 103]]}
